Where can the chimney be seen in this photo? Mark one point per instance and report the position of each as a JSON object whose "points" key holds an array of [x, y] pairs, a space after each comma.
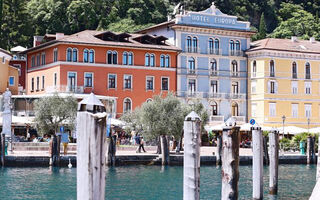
{"points": [[294, 39], [59, 36], [37, 40], [312, 40]]}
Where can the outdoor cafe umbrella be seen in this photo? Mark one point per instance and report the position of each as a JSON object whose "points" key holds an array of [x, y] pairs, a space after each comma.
{"points": [[314, 130], [292, 130]]}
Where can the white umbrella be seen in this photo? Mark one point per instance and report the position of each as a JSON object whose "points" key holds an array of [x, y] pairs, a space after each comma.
{"points": [[245, 127], [314, 130], [20, 121], [117, 122], [215, 128], [293, 130]]}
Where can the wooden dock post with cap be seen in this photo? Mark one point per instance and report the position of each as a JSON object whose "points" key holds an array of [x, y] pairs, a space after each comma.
{"points": [[230, 160], [191, 164], [91, 149], [257, 163], [309, 150], [218, 149], [274, 161], [3, 143]]}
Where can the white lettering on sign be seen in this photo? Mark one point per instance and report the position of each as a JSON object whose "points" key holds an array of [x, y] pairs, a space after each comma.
{"points": [[220, 20], [216, 20], [200, 18]]}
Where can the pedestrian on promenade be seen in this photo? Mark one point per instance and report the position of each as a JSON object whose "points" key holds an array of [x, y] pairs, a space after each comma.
{"points": [[65, 141], [138, 141], [141, 146]]}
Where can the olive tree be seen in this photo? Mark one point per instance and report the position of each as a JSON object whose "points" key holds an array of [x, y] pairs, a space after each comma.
{"points": [[53, 111]]}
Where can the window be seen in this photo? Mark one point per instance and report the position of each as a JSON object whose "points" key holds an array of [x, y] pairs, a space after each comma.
{"points": [[216, 46], [272, 87], [38, 83], [38, 59], [69, 54], [152, 60], [272, 68], [55, 55], [307, 86], [115, 57], [234, 69], [72, 81], [125, 58], [254, 110], [191, 65], [3, 60], [238, 45], [232, 47], [307, 110], [130, 60], [42, 82], [254, 68], [164, 83], [213, 67], [294, 110], [214, 108], [308, 71], [294, 87], [162, 60], [189, 44], [147, 60], [127, 81], [235, 87], [235, 109], [112, 79], [167, 62], [33, 64], [192, 86], [214, 86], [32, 84], [109, 57], [272, 109], [75, 55], [149, 82], [294, 70], [88, 79], [55, 79], [91, 56], [11, 80], [253, 86], [86, 55], [195, 44], [127, 105], [211, 46], [43, 58]]}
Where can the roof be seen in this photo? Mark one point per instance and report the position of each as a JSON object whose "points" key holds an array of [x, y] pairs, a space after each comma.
{"points": [[167, 23], [5, 52], [291, 45], [18, 49], [90, 37]]}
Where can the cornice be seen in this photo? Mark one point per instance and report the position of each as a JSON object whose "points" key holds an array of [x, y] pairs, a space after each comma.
{"points": [[282, 54]]}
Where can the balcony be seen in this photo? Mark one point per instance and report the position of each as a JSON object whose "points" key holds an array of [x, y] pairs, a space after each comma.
{"points": [[240, 119], [216, 119], [236, 53], [65, 88], [294, 75], [214, 51], [237, 96], [23, 113], [213, 72], [194, 94], [215, 95], [235, 74], [192, 49], [191, 71]]}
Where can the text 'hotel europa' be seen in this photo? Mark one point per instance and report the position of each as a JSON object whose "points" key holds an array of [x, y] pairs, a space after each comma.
{"points": [[218, 20]]}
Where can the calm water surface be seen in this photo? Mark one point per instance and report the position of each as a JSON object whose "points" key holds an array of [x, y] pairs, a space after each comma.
{"points": [[148, 183]]}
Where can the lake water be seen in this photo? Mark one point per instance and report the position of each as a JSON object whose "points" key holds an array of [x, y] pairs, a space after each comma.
{"points": [[148, 183]]}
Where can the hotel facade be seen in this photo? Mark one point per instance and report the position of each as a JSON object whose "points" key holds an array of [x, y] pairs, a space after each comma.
{"points": [[130, 68], [284, 82], [212, 66]]}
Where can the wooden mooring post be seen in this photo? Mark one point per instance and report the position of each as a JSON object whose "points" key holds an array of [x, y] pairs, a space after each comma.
{"points": [[257, 163], [191, 163], [111, 150], [3, 143], [230, 160], [274, 162], [309, 150], [265, 150], [218, 150], [91, 149]]}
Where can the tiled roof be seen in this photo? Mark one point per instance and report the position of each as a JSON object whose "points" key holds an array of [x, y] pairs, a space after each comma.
{"points": [[89, 37], [291, 45], [6, 52]]}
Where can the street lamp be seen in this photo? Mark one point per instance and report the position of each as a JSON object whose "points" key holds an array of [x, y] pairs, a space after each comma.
{"points": [[283, 119], [308, 120]]}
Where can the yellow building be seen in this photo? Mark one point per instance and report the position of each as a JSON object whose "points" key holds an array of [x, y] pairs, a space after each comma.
{"points": [[9, 75], [284, 82]]}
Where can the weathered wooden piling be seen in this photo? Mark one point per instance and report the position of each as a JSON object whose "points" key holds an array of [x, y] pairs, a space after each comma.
{"points": [[265, 150], [191, 163], [165, 157], [318, 163], [274, 162], [218, 150], [230, 160], [313, 149], [91, 149], [309, 143], [257, 163], [111, 150], [3, 143]]}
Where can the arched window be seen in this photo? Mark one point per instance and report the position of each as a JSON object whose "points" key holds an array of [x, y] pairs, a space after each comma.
{"points": [[125, 58], [167, 63], [238, 45], [214, 107], [272, 74], [191, 65], [211, 46], [195, 44], [115, 57], [130, 59], [189, 44], [149, 100], [235, 109], [147, 59], [213, 67], [86, 55], [109, 57], [234, 69], [55, 55], [294, 70], [216, 46], [232, 47], [127, 105], [308, 71], [69, 54], [152, 60], [91, 56], [75, 55], [162, 60], [254, 68]]}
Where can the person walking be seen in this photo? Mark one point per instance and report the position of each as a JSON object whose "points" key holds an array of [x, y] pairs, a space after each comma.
{"points": [[141, 146], [138, 141], [65, 141]]}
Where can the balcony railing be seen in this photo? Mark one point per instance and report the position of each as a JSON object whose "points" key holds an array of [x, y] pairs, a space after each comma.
{"points": [[235, 74], [294, 75], [308, 76], [213, 72], [191, 71], [214, 51], [23, 113], [65, 88], [192, 49], [241, 119], [236, 53], [211, 95], [216, 118]]}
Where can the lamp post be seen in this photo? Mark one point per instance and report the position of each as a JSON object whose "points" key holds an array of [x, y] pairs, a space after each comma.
{"points": [[308, 120], [283, 119]]}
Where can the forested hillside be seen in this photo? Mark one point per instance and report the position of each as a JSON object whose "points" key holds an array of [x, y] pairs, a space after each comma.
{"points": [[20, 20]]}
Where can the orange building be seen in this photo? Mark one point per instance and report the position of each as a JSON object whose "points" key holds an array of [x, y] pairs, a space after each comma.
{"points": [[131, 67], [8, 74]]}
